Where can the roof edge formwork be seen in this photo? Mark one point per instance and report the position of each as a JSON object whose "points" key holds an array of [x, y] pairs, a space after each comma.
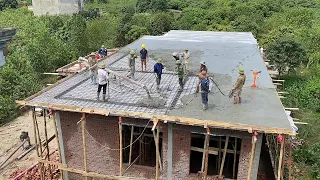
{"points": [[164, 118]]}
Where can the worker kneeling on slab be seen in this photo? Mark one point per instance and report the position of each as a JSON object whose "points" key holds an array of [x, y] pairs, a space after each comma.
{"points": [[237, 88], [158, 67], [103, 78], [203, 86]]}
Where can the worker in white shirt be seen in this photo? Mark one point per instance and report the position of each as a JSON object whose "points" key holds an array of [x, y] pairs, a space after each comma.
{"points": [[186, 57], [103, 78]]}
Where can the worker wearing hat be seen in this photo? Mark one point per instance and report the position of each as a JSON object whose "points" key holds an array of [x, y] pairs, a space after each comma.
{"points": [[143, 56], [181, 73], [132, 64], [158, 67], [93, 69], [103, 51], [237, 88], [103, 78], [203, 86], [203, 66], [186, 57]]}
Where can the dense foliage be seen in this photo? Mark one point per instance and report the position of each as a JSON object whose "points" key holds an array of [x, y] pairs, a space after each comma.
{"points": [[288, 29]]}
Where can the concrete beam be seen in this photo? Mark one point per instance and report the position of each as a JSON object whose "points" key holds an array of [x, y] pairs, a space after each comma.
{"points": [[169, 151], [63, 156], [255, 165]]}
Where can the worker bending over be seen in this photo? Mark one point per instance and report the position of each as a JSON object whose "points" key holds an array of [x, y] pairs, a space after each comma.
{"points": [[93, 69], [237, 88], [158, 67], [203, 86], [143, 56], [186, 57], [103, 78], [103, 51], [132, 64], [203, 66], [181, 73]]}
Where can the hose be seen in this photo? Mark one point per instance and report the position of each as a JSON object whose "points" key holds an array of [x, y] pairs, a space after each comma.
{"points": [[217, 86]]}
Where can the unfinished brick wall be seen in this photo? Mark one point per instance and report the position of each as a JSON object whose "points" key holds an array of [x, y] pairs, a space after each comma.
{"points": [[244, 160], [104, 136]]}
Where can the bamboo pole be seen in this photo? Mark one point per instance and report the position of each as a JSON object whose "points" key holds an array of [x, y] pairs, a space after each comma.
{"points": [[120, 143], [58, 142], [280, 160], [46, 139], [224, 156], [204, 153], [40, 165], [207, 141], [35, 130], [154, 137], [157, 155], [83, 126], [219, 158], [234, 159], [131, 140], [251, 157]]}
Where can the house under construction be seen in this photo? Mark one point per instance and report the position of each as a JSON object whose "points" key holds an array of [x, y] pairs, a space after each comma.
{"points": [[142, 133]]}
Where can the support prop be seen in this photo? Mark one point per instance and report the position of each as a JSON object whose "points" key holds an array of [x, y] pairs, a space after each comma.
{"points": [[207, 141], [83, 126], [224, 156], [120, 143], [253, 148]]}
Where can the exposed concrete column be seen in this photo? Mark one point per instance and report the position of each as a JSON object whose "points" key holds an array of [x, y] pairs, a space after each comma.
{"points": [[255, 165], [169, 151], [63, 156]]}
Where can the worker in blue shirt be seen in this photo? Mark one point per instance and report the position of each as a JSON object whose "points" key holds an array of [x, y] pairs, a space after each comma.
{"points": [[103, 51], [143, 56], [158, 67]]}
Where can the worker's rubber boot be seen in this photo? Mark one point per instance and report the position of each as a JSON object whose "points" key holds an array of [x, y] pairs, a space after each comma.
{"points": [[240, 100], [235, 100], [98, 94], [103, 97], [204, 107]]}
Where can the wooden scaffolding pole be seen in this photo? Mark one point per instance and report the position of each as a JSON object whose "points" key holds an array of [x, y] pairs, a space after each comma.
{"points": [[58, 142], [224, 156], [234, 159], [120, 143], [35, 130], [154, 137], [131, 140], [219, 158], [290, 158], [280, 160], [46, 139], [83, 127], [207, 141], [40, 165], [157, 155], [253, 148]]}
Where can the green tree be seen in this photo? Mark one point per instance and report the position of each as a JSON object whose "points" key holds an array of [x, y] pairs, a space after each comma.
{"points": [[286, 54], [5, 4], [78, 39], [135, 33]]}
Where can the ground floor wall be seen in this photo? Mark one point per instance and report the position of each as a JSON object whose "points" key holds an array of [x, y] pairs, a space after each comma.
{"points": [[103, 155]]}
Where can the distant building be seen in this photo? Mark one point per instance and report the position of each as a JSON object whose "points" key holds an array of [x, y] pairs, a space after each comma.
{"points": [[6, 34], [56, 7]]}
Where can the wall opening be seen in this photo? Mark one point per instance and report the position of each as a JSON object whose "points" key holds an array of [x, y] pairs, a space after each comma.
{"points": [[144, 149], [216, 150]]}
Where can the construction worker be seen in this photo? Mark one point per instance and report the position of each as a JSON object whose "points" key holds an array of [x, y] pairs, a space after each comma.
{"points": [[176, 56], [186, 57], [93, 69], [237, 88], [203, 86], [181, 73], [103, 78], [132, 64], [143, 56], [158, 67], [103, 51], [203, 66]]}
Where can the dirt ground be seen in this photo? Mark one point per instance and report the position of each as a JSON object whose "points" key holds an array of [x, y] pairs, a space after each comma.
{"points": [[9, 141]]}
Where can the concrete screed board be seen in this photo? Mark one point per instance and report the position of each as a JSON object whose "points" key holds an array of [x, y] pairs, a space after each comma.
{"points": [[223, 52]]}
